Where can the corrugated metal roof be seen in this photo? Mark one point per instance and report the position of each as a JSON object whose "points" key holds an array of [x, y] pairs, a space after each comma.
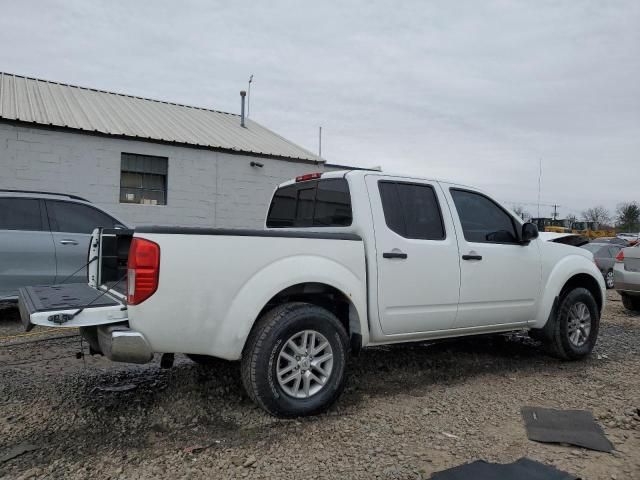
{"points": [[56, 104]]}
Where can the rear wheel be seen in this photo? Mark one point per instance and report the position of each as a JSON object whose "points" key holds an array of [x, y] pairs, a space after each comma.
{"points": [[294, 361], [574, 331], [631, 302], [608, 278]]}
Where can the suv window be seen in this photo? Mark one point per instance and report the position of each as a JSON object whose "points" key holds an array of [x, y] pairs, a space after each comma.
{"points": [[483, 220], [76, 217], [412, 210], [20, 214], [322, 203]]}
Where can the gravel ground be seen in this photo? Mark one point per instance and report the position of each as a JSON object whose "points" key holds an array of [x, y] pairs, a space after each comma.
{"points": [[407, 412]]}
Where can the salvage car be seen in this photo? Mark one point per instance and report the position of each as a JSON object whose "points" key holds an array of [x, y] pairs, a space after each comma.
{"points": [[346, 260], [627, 277], [604, 255], [44, 238]]}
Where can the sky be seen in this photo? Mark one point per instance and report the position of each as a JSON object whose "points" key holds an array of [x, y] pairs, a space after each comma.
{"points": [[480, 93]]}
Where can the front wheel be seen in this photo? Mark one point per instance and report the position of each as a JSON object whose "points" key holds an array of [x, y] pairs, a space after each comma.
{"points": [[608, 278], [574, 331], [294, 361]]}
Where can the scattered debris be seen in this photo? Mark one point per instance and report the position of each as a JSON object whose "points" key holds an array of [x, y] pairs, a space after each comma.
{"points": [[450, 435], [523, 469], [17, 451], [575, 427], [116, 388], [249, 461], [199, 448]]}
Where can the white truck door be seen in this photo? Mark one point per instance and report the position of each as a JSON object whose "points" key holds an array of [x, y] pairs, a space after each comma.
{"points": [[416, 255], [500, 281]]}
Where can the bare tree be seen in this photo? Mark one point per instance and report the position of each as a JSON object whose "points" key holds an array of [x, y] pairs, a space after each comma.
{"points": [[597, 214], [521, 212], [572, 218], [628, 216]]}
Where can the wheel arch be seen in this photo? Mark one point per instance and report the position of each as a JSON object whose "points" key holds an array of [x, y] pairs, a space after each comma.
{"points": [[325, 296], [322, 281], [571, 272]]}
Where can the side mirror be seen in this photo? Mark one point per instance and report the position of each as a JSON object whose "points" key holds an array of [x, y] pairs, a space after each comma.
{"points": [[529, 232]]}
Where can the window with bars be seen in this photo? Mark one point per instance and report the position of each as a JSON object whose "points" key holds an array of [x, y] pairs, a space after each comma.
{"points": [[143, 179]]}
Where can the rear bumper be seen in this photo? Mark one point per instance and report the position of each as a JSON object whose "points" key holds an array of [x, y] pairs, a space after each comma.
{"points": [[121, 344], [625, 280]]}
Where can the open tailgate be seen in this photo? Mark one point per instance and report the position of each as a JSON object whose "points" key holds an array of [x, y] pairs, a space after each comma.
{"points": [[69, 305]]}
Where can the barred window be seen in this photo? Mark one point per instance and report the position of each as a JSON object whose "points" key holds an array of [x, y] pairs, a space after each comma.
{"points": [[143, 179]]}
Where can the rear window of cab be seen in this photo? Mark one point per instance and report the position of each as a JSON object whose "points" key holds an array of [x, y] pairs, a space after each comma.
{"points": [[316, 203]]}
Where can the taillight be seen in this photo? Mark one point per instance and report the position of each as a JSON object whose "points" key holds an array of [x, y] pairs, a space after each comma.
{"points": [[308, 176], [143, 269], [620, 256]]}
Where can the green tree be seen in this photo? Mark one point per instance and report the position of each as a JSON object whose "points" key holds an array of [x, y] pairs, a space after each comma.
{"points": [[628, 216]]}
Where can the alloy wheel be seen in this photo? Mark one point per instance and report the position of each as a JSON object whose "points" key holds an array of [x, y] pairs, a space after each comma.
{"points": [[304, 364], [579, 324]]}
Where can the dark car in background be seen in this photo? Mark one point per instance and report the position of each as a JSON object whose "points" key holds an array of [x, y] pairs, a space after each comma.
{"points": [[604, 255], [44, 238]]}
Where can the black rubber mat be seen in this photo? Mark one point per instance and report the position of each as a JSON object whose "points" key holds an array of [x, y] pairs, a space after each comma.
{"points": [[523, 469], [575, 427]]}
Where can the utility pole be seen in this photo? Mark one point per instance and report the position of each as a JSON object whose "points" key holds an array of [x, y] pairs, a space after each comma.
{"points": [[555, 211], [320, 142], [249, 95], [539, 183]]}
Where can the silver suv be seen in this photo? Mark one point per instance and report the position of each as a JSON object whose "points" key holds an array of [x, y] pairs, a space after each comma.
{"points": [[44, 238]]}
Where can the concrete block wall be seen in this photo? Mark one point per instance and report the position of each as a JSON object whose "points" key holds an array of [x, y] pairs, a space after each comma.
{"points": [[204, 188]]}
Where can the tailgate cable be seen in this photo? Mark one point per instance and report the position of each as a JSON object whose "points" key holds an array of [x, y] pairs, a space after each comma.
{"points": [[65, 317], [84, 266]]}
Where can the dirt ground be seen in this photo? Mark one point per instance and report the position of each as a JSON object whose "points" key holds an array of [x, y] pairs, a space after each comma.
{"points": [[407, 412]]}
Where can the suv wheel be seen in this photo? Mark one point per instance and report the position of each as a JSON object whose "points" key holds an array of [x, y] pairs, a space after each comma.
{"points": [[631, 302], [574, 331], [294, 361], [608, 278]]}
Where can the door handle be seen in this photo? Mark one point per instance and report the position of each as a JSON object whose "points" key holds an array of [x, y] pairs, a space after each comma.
{"points": [[394, 255], [68, 242], [472, 257]]}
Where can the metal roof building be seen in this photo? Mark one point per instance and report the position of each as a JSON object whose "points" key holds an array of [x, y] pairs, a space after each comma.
{"points": [[146, 161], [53, 104]]}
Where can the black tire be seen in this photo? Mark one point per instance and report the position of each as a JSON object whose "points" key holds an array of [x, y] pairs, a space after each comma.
{"points": [[630, 302], [262, 350], [608, 279], [557, 332]]}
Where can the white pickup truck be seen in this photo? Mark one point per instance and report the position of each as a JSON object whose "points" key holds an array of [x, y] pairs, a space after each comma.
{"points": [[347, 260]]}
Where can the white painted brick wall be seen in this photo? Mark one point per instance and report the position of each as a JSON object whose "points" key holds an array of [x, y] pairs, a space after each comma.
{"points": [[205, 188]]}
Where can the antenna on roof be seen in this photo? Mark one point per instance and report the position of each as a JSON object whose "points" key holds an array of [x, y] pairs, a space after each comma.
{"points": [[249, 95]]}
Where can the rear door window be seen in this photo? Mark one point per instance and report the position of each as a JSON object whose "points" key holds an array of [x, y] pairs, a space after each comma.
{"points": [[20, 214], [76, 217], [412, 210], [483, 220], [322, 203]]}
